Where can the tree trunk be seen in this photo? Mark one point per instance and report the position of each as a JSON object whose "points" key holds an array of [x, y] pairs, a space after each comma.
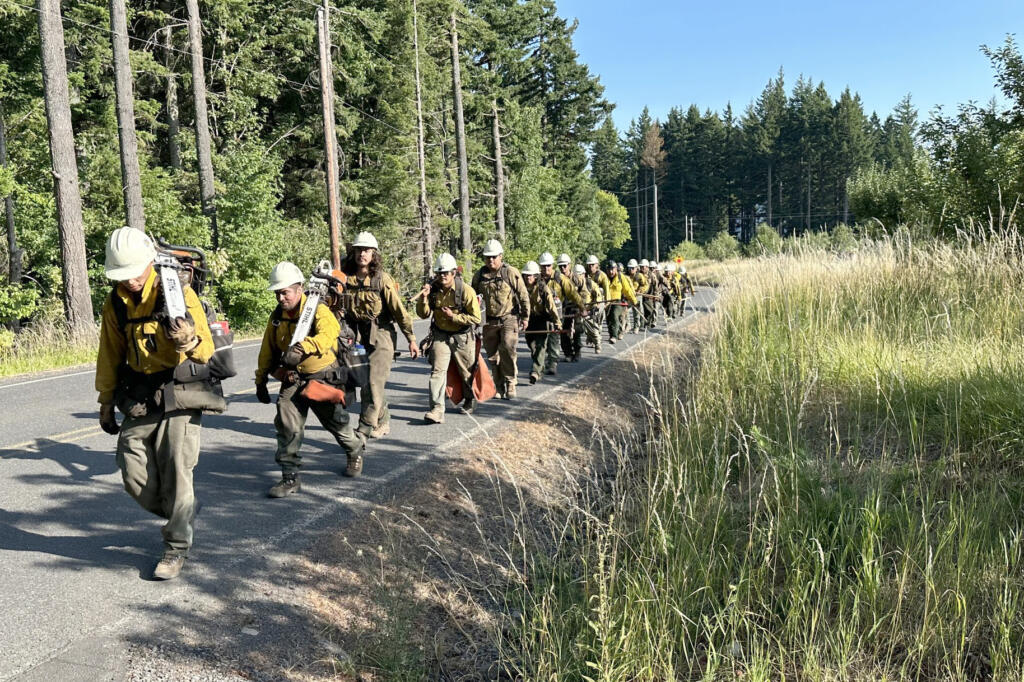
{"points": [[769, 194], [460, 141], [173, 150], [846, 202], [423, 206], [74, 273], [131, 183], [14, 254], [499, 175], [636, 210], [206, 189]]}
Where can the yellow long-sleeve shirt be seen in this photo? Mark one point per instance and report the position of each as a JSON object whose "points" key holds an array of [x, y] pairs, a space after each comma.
{"points": [[640, 282], [601, 280], [144, 345], [445, 298], [620, 288], [319, 343], [562, 288]]}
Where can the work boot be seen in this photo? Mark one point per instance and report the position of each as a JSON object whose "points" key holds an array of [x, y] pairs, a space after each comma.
{"points": [[381, 430], [169, 567], [435, 415], [534, 378], [469, 405], [354, 464], [510, 391], [289, 484], [611, 342], [551, 372]]}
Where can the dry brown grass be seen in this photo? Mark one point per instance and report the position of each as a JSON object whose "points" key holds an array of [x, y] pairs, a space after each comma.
{"points": [[414, 588]]}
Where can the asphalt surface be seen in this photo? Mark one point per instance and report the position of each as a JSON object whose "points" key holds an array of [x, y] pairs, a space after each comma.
{"points": [[76, 552]]}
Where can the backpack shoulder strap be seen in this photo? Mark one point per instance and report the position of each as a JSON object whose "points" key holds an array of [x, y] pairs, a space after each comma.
{"points": [[506, 275]]}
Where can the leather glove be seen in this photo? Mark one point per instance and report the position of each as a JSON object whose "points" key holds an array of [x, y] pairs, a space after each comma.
{"points": [[108, 422], [183, 333], [293, 356], [262, 394]]}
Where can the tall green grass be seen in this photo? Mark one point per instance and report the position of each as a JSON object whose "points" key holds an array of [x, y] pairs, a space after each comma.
{"points": [[838, 496]]}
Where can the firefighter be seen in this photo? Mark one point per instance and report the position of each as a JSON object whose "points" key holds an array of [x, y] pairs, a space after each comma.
{"points": [[620, 296], [565, 295], [640, 286], [590, 321], [454, 312], [545, 320], [372, 308], [139, 349], [314, 358], [507, 308], [572, 315], [600, 311]]}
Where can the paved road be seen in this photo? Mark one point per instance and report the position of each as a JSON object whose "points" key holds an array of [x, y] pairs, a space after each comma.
{"points": [[76, 552]]}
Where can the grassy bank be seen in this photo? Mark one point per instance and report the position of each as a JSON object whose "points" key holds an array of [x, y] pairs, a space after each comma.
{"points": [[839, 498], [43, 346]]}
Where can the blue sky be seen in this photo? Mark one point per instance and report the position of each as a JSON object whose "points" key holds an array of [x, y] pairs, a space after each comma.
{"points": [[669, 53]]}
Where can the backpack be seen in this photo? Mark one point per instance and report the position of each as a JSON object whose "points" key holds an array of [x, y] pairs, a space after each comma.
{"points": [[460, 306], [190, 385], [353, 368]]}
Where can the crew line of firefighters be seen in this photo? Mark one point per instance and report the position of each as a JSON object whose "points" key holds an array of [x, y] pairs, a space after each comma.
{"points": [[147, 363]]}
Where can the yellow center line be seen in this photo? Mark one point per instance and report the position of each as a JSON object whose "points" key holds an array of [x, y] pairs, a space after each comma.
{"points": [[56, 439]]}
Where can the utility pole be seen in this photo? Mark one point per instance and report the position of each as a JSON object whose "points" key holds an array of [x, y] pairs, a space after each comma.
{"points": [[207, 192], [327, 103], [636, 209], [499, 175], [657, 250], [421, 156], [173, 150], [460, 141], [14, 254], [769, 194], [131, 183], [64, 166]]}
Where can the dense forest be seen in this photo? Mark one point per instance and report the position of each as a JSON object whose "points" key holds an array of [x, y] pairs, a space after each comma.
{"points": [[521, 108], [804, 160], [455, 121]]}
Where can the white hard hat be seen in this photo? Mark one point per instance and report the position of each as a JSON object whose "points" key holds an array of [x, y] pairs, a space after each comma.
{"points": [[579, 269], [632, 263], [129, 253], [284, 275], [682, 269], [564, 259], [645, 263], [671, 267], [546, 259], [493, 248], [658, 267], [531, 268], [365, 240], [445, 263], [592, 260]]}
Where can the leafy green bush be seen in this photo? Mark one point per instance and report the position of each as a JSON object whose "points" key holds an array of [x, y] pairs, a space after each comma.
{"points": [[723, 247], [766, 241], [843, 239], [17, 302], [687, 250]]}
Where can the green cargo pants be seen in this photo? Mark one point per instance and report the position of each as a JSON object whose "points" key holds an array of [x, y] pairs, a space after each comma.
{"points": [[156, 455], [616, 312], [380, 351], [499, 343], [290, 423], [450, 346]]}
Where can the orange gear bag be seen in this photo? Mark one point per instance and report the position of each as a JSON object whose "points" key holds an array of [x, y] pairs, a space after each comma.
{"points": [[319, 392], [483, 384]]}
